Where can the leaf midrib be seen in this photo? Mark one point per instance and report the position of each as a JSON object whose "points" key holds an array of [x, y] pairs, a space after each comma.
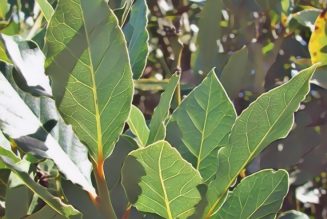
{"points": [[163, 186], [95, 94], [204, 127], [211, 210]]}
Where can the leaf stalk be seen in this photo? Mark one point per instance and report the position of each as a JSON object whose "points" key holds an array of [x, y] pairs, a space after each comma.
{"points": [[103, 201]]}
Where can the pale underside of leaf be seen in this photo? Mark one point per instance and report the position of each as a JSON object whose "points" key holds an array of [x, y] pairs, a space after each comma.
{"points": [[28, 59]]}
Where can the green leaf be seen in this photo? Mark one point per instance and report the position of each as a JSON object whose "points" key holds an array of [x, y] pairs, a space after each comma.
{"points": [[293, 215], [320, 77], [10, 27], [112, 166], [307, 17], [54, 202], [138, 126], [235, 75], [7, 153], [3, 9], [204, 118], [112, 169], [122, 9], [80, 200], [207, 56], [267, 119], [161, 112], [258, 196], [137, 37], [11, 124], [3, 54], [46, 9], [92, 87], [168, 183]]}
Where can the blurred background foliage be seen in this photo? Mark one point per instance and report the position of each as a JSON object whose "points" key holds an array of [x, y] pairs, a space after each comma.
{"points": [[254, 46]]}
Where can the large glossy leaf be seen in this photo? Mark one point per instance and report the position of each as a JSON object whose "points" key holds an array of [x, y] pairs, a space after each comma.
{"points": [[258, 196], [267, 119], [91, 76], [204, 118], [161, 112], [55, 202], [168, 183], [137, 37], [11, 124], [138, 126]]}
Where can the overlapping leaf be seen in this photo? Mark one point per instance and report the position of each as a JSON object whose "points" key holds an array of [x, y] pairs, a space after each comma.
{"points": [[91, 75], [306, 17], [138, 126], [168, 183], [257, 196], [161, 112], [207, 56], [236, 77], [204, 118], [28, 60], [267, 119], [137, 37], [45, 110], [11, 124]]}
